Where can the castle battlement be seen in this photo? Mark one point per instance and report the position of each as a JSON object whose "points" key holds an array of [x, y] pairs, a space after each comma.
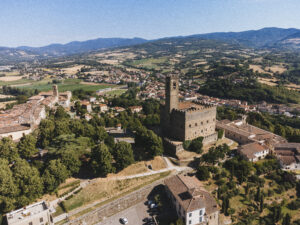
{"points": [[186, 120]]}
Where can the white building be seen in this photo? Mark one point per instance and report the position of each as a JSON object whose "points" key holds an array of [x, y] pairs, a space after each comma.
{"points": [[103, 107], [288, 155], [193, 204], [253, 151], [35, 214]]}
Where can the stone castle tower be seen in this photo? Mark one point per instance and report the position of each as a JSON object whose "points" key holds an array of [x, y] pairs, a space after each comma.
{"points": [[186, 120], [55, 90], [172, 91]]}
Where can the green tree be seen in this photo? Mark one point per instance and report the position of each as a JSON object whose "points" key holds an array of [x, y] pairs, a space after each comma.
{"points": [[70, 159], [8, 149], [61, 113], [46, 132], [101, 160], [100, 134], [28, 180], [27, 146], [123, 155], [54, 174], [61, 127], [203, 173], [287, 219], [196, 145], [8, 187], [279, 129], [155, 147], [261, 203], [257, 196]]}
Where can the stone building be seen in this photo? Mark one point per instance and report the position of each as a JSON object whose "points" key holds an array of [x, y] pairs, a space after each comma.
{"points": [[187, 120], [288, 155], [253, 151], [35, 214], [22, 119], [192, 202]]}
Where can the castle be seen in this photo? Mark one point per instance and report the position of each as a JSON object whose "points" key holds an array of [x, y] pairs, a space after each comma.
{"points": [[182, 121]]}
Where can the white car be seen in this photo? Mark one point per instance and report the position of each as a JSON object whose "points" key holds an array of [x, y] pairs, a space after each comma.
{"points": [[153, 206], [124, 220]]}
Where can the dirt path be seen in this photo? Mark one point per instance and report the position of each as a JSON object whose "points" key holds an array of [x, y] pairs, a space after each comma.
{"points": [[84, 183]]}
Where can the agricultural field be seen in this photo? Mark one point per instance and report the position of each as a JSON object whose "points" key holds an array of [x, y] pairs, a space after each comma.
{"points": [[66, 85], [115, 93], [149, 63]]}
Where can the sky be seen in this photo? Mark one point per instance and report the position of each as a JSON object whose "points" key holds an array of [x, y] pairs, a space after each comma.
{"points": [[42, 22]]}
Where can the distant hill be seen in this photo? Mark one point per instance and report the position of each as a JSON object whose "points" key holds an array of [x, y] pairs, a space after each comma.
{"points": [[271, 37], [266, 37], [82, 46], [291, 42]]}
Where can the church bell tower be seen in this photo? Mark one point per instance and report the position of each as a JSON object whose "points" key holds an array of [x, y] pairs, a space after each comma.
{"points": [[172, 91]]}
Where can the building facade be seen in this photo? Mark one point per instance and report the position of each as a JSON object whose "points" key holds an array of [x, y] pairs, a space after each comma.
{"points": [[193, 204], [186, 120], [288, 155]]}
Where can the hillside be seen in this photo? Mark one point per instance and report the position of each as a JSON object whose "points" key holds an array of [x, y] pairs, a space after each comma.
{"points": [[25, 53], [83, 46], [266, 37], [291, 41]]}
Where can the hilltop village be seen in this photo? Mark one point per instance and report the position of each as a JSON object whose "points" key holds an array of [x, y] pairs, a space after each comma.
{"points": [[180, 131], [187, 126]]}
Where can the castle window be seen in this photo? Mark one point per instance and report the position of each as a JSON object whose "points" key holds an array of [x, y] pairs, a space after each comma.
{"points": [[201, 123], [201, 131], [190, 125], [174, 85], [207, 121], [196, 124]]}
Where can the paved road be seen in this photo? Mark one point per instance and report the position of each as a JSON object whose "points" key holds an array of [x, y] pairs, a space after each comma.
{"points": [[134, 214]]}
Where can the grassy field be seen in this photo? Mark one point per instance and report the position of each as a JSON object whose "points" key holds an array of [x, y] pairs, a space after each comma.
{"points": [[67, 85], [115, 93], [149, 63], [105, 191], [16, 82]]}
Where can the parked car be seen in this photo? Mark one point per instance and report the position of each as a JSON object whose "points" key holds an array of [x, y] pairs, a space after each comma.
{"points": [[153, 206], [149, 202], [124, 220]]}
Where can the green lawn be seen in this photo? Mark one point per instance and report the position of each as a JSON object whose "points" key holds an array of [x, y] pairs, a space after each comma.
{"points": [[16, 82], [149, 63], [67, 85], [115, 92]]}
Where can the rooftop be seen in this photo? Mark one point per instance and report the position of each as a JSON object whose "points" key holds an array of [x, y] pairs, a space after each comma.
{"points": [[190, 194], [26, 212], [250, 149]]}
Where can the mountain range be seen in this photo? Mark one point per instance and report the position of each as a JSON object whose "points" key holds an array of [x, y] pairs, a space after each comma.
{"points": [[271, 37]]}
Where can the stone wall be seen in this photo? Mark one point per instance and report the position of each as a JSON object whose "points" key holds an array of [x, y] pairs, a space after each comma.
{"points": [[200, 123], [172, 147], [115, 206], [210, 139]]}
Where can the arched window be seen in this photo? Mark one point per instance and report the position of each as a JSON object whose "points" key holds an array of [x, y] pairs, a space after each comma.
{"points": [[196, 124], [174, 85]]}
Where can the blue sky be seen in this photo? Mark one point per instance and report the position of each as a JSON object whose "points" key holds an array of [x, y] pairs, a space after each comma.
{"points": [[41, 22]]}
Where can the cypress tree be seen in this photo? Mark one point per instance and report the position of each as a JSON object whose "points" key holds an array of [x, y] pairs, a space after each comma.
{"points": [[257, 196], [261, 204]]}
